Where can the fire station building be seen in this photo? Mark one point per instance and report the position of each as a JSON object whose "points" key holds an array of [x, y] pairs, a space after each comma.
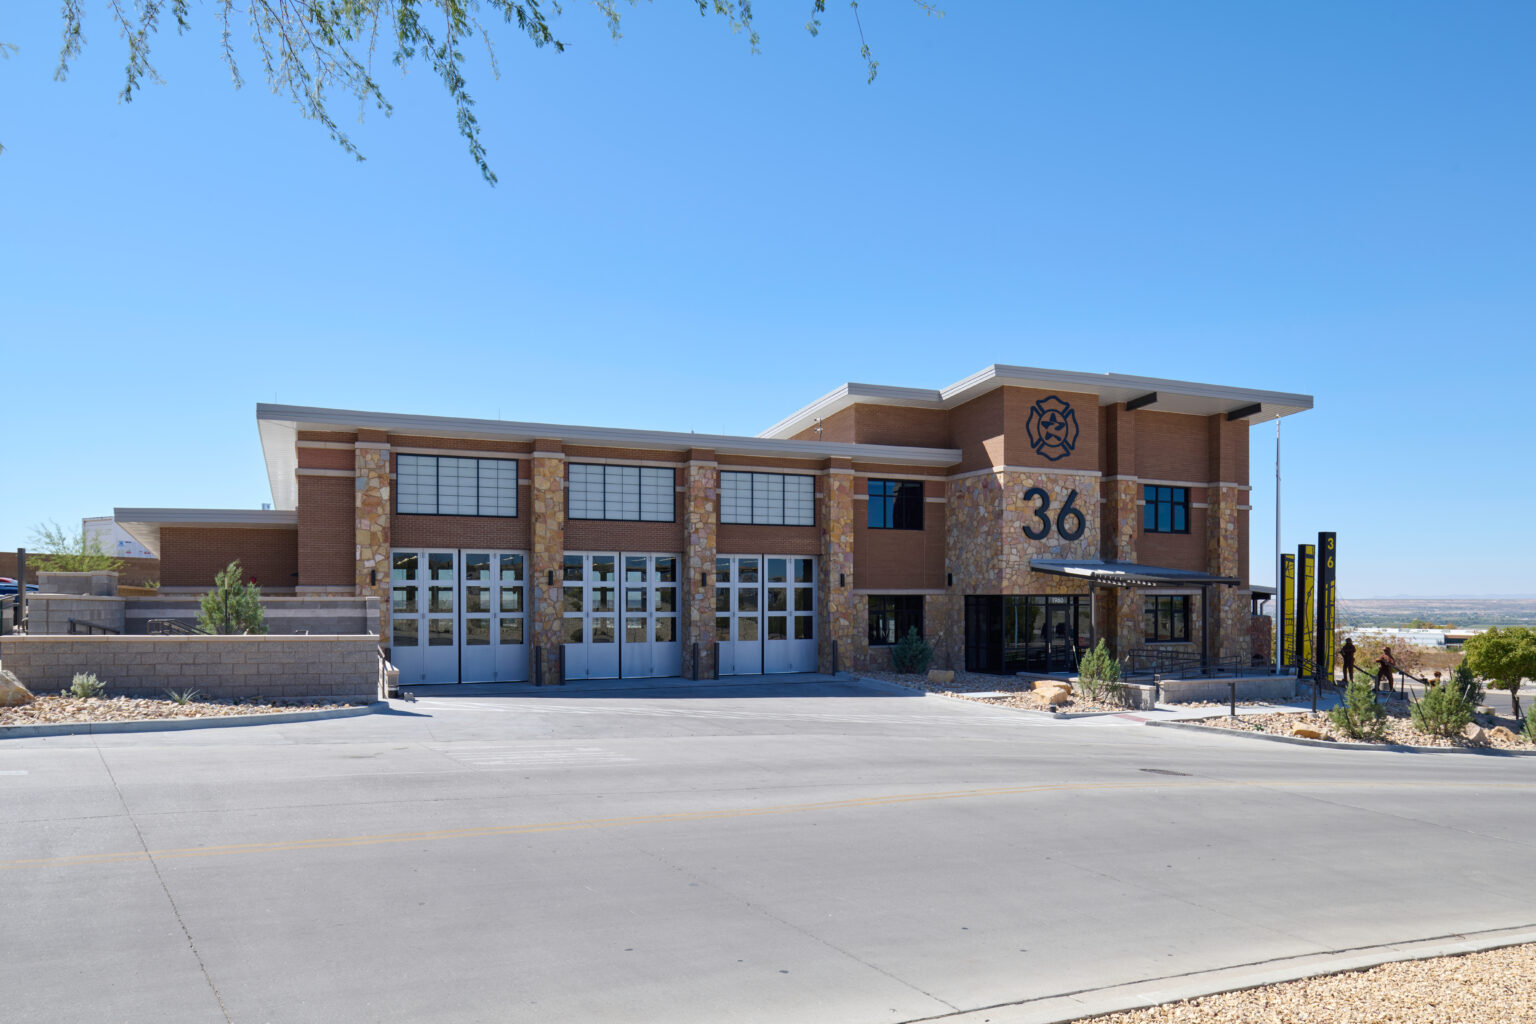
{"points": [[1011, 518]]}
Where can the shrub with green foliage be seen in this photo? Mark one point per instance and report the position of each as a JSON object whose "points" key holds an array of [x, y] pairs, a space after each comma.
{"points": [[1442, 711], [1466, 682], [85, 684], [56, 550], [1359, 717], [912, 653], [1529, 732], [1098, 674], [232, 606]]}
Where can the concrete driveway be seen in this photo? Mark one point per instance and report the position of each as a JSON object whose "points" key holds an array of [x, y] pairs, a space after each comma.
{"points": [[769, 850]]}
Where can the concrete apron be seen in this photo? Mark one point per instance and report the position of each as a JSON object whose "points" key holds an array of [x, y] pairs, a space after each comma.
{"points": [[652, 686]]}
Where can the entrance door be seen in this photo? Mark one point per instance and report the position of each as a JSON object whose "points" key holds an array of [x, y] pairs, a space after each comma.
{"points": [[765, 613], [590, 599]]}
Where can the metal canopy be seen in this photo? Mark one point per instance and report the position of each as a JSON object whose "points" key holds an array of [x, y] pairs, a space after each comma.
{"points": [[1127, 574]]}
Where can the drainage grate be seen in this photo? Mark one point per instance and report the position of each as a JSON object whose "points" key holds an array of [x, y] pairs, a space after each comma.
{"points": [[1166, 771]]}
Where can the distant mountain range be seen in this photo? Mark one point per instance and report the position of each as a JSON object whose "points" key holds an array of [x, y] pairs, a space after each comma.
{"points": [[1448, 611]]}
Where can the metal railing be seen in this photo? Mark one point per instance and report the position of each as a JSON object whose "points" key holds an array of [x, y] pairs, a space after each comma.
{"points": [[82, 626], [172, 627]]}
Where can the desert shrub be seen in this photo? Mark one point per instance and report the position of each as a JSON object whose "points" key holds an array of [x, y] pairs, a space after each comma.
{"points": [[1466, 682], [1442, 711], [186, 696], [912, 653], [1098, 674], [1359, 716], [1529, 732], [85, 684]]}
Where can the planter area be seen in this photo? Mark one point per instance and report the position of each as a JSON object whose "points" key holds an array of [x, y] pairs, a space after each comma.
{"points": [[1490, 732], [61, 710]]}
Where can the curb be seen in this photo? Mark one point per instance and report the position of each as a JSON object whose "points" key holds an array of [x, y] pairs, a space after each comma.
{"points": [[1072, 1006], [1395, 748], [180, 724]]}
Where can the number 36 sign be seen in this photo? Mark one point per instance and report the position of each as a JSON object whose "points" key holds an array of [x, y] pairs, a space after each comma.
{"points": [[1069, 521]]}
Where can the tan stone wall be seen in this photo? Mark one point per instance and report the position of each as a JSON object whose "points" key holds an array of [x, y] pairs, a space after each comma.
{"points": [[835, 583], [701, 503], [373, 505], [546, 558], [1230, 609]]}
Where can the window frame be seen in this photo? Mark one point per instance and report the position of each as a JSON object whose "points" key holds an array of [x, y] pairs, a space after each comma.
{"points": [[900, 610], [606, 487], [1177, 503], [1152, 602], [901, 502], [764, 499], [437, 483]]}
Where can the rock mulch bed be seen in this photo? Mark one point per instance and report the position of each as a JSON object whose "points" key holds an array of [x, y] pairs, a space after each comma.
{"points": [[1400, 729], [1018, 693], [1496, 986], [47, 710]]}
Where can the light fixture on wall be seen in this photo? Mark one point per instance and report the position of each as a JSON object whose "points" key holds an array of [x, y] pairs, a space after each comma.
{"points": [[842, 579], [373, 577], [949, 579], [703, 579], [551, 579]]}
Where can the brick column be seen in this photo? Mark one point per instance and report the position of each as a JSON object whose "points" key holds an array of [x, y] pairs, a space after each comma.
{"points": [[547, 559], [834, 585], [701, 504], [372, 526], [1230, 637]]}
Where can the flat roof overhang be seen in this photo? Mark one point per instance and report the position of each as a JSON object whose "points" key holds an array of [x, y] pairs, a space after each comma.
{"points": [[279, 426], [1152, 393], [1128, 574], [143, 524]]}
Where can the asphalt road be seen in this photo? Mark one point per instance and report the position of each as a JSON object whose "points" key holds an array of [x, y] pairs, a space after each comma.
{"points": [[785, 852]]}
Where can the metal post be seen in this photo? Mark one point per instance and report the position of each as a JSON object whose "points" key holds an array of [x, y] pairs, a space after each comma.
{"points": [[1275, 632], [1233, 696], [834, 657], [538, 666], [695, 661], [21, 590]]}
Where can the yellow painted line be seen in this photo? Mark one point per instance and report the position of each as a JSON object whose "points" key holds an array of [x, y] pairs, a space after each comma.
{"points": [[335, 842]]}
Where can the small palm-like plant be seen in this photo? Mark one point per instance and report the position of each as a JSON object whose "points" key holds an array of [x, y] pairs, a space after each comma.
{"points": [[183, 698]]}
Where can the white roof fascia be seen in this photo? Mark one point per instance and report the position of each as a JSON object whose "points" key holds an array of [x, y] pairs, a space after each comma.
{"points": [[1172, 395], [143, 524], [279, 426]]}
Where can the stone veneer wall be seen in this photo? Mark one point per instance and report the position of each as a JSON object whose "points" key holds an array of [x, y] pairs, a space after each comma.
{"points": [[1121, 612], [700, 533], [835, 583], [373, 503], [1230, 606], [224, 667], [546, 558]]}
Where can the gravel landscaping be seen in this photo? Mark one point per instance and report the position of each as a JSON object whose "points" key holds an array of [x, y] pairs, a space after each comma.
{"points": [[1018, 692], [1496, 986], [61, 709], [1399, 729]]}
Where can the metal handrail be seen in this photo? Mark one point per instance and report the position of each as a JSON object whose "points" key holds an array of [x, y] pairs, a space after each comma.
{"points": [[172, 627], [81, 625]]}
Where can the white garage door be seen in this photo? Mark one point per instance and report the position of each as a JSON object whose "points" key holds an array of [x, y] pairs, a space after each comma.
{"points": [[765, 613]]}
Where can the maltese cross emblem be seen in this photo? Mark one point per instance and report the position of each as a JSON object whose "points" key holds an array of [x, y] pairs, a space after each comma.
{"points": [[1052, 428]]}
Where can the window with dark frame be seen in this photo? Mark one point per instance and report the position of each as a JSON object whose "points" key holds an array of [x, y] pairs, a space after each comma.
{"points": [[891, 616], [441, 485], [634, 493], [767, 499], [895, 505], [1167, 509], [1167, 618]]}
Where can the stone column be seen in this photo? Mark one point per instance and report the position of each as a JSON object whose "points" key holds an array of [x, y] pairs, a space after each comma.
{"points": [[1122, 526], [1229, 614], [547, 560], [834, 585], [700, 530], [372, 526]]}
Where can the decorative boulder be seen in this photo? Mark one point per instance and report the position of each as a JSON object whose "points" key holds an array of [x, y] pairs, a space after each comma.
{"points": [[1500, 732], [941, 675], [12, 693], [1475, 733], [1055, 695], [1052, 684], [1307, 732]]}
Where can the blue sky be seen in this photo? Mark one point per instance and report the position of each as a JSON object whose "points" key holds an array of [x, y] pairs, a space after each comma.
{"points": [[1322, 198]]}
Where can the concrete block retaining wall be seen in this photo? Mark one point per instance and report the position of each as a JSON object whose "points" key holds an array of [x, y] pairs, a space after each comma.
{"points": [[331, 616], [286, 667], [50, 613], [1249, 688]]}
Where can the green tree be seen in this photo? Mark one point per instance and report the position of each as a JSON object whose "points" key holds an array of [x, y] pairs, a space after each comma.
{"points": [[308, 49], [911, 653], [1442, 711], [1098, 674], [60, 551], [1359, 716], [232, 606], [1504, 655]]}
